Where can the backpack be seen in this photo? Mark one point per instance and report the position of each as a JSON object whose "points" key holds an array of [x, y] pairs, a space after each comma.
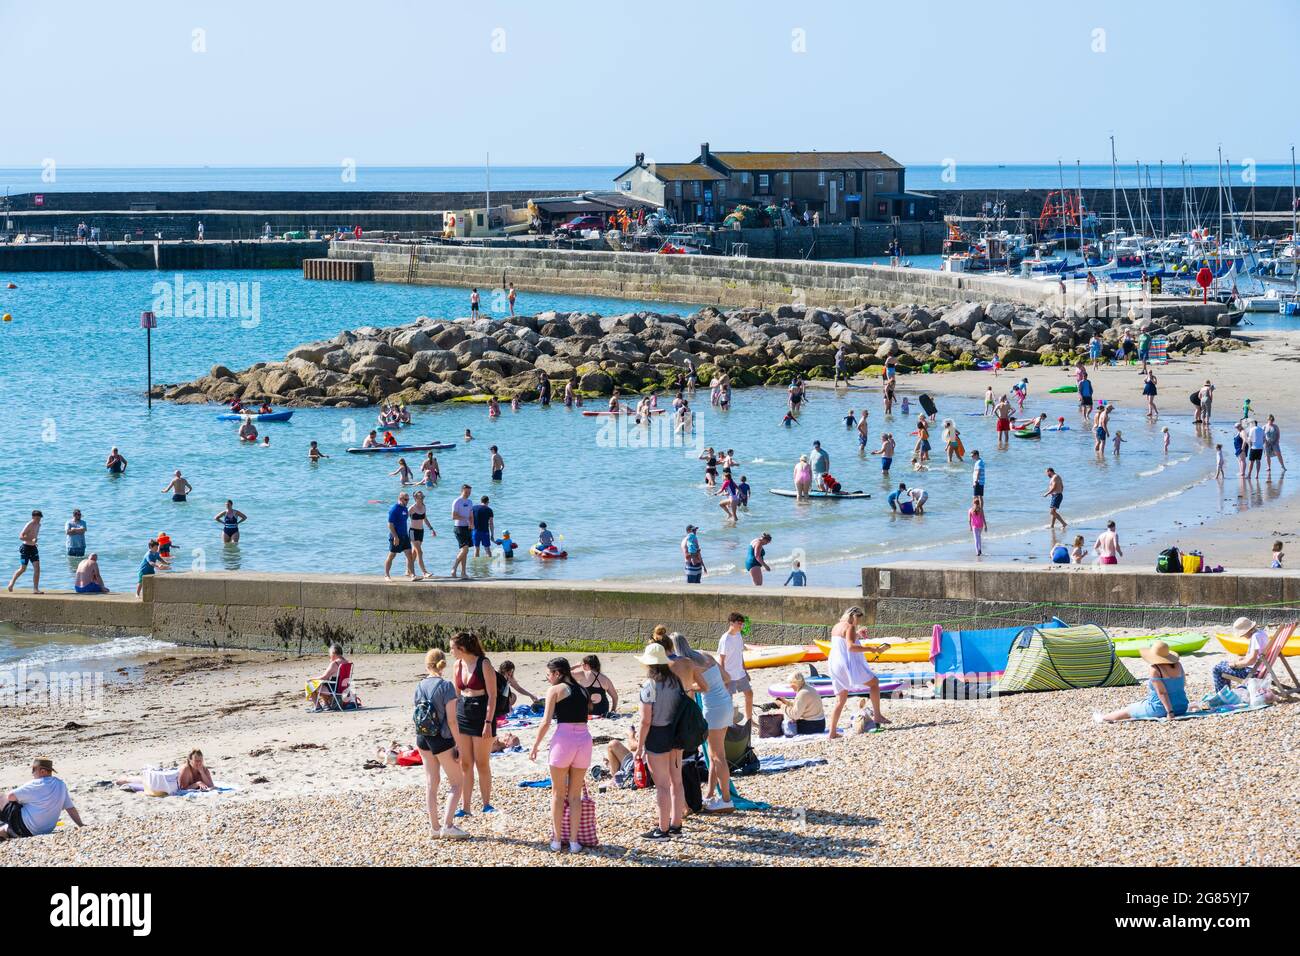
{"points": [[1169, 562], [503, 696], [427, 720], [694, 774], [689, 726]]}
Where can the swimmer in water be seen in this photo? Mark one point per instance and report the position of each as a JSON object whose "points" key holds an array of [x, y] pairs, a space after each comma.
{"points": [[514, 404], [372, 440], [494, 407], [429, 471], [402, 471], [314, 453], [498, 464], [789, 419], [116, 464], [178, 487], [850, 420], [266, 442], [230, 519], [468, 437], [247, 431], [568, 394], [862, 433]]}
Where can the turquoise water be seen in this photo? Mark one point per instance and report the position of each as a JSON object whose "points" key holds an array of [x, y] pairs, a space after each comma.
{"points": [[73, 376]]}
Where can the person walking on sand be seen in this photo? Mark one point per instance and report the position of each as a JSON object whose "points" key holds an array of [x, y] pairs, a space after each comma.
{"points": [[848, 668], [1056, 492], [399, 537], [418, 518], [178, 487], [1106, 547], [435, 738], [462, 519], [568, 704], [29, 553], [978, 523], [230, 519], [1272, 447], [476, 682], [755, 561]]}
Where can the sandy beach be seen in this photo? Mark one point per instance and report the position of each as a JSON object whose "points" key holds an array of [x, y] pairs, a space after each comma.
{"points": [[1028, 779], [1239, 531]]}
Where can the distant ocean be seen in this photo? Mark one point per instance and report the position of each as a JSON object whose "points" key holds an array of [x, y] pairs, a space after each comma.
{"points": [[557, 179]]}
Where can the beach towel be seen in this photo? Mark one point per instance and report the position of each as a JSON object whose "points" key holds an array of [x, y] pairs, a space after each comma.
{"points": [[1211, 711], [216, 788], [537, 784], [517, 749], [776, 763]]}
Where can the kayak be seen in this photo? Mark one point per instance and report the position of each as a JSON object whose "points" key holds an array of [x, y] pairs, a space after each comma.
{"points": [[757, 656], [1178, 643], [550, 554], [629, 411], [823, 687], [1062, 389], [789, 493], [397, 449], [1235, 645], [899, 651], [259, 417]]}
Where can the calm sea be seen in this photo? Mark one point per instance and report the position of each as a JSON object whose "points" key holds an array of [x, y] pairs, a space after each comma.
{"points": [[552, 179]]}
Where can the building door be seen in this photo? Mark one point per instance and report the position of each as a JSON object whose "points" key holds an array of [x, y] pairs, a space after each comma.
{"points": [[832, 206]]}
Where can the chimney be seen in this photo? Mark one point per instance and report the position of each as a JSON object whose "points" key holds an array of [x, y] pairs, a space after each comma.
{"points": [[704, 153], [640, 159]]}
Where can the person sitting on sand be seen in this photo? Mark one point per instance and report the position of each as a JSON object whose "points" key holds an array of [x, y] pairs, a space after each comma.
{"points": [[34, 808], [805, 712], [88, 579], [1166, 691], [620, 756], [325, 681], [507, 673], [505, 742]]}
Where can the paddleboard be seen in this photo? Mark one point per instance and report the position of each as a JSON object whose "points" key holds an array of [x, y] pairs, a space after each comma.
{"points": [[789, 493], [961, 448], [823, 687], [928, 404], [1235, 645], [398, 449], [758, 656], [898, 652], [259, 417], [1178, 643]]}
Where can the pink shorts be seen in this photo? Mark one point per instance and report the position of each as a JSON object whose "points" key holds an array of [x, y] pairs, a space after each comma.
{"points": [[571, 746]]}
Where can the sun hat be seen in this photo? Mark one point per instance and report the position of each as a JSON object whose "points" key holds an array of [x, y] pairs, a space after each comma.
{"points": [[654, 654], [1243, 627], [1159, 653]]}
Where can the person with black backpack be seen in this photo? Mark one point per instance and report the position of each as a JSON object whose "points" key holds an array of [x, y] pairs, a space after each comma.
{"points": [[661, 698], [435, 712]]}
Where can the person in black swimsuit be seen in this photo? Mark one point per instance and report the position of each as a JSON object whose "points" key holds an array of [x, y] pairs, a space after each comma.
{"points": [[604, 697]]}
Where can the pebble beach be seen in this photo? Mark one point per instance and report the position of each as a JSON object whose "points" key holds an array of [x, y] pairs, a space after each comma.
{"points": [[1027, 779]]}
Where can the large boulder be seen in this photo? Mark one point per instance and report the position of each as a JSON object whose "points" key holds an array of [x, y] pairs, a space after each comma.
{"points": [[311, 352], [554, 367], [414, 340], [470, 349], [964, 316], [374, 365], [367, 347]]}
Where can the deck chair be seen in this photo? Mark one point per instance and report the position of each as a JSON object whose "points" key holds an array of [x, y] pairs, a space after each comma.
{"points": [[336, 693], [1264, 667]]}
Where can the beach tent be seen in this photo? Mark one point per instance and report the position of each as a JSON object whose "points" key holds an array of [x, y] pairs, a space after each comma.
{"points": [[1063, 658], [975, 655], [1159, 352]]}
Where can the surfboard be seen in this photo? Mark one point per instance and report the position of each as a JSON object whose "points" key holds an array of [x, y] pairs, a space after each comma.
{"points": [[790, 493]]}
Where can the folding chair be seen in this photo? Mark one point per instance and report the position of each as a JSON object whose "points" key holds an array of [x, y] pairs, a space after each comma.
{"points": [[1263, 668], [337, 693]]}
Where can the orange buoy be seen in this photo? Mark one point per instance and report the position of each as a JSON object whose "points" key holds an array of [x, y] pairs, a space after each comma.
{"points": [[8, 317]]}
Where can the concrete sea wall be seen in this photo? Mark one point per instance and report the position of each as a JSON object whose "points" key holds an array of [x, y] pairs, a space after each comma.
{"points": [[165, 256], [698, 280]]}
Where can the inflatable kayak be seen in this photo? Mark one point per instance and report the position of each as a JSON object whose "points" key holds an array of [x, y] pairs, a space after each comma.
{"points": [[397, 449], [757, 657], [1235, 645], [1178, 643], [1027, 433], [822, 685], [628, 411], [549, 554], [260, 417], [899, 652], [1062, 389], [790, 493]]}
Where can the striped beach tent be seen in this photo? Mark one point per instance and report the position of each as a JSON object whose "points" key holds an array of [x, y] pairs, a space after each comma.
{"points": [[1159, 353], [1064, 658]]}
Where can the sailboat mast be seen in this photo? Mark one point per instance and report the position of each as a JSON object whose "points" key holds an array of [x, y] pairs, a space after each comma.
{"points": [[1218, 242], [1164, 227], [1295, 238], [1078, 168], [487, 179], [1114, 187]]}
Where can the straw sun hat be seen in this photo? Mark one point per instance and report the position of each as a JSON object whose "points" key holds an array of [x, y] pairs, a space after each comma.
{"points": [[1243, 627], [1159, 653], [654, 654]]}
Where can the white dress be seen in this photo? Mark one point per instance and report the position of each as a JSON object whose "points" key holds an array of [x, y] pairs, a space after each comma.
{"points": [[848, 668]]}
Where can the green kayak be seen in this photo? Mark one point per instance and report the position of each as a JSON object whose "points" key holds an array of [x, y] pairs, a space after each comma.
{"points": [[1063, 388], [1178, 643]]}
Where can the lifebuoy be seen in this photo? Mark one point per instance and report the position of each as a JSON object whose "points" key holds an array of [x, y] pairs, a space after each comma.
{"points": [[356, 231]]}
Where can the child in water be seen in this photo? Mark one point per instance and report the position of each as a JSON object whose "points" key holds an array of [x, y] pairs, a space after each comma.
{"points": [[1117, 441], [797, 577], [1165, 430], [789, 419], [1078, 552], [849, 421], [1218, 461], [743, 490], [468, 436], [507, 546], [906, 406]]}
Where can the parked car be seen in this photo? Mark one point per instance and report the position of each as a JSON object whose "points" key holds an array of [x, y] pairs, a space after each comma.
{"points": [[580, 224]]}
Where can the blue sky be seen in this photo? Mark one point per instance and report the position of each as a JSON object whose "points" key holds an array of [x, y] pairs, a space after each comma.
{"points": [[573, 82]]}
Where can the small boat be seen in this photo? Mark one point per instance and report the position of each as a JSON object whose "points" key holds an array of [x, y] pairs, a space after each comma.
{"points": [[791, 493], [1236, 645], [256, 416], [548, 554], [1178, 643], [397, 449], [759, 656]]}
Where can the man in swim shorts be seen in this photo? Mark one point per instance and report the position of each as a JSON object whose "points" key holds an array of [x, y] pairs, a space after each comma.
{"points": [[498, 464], [1055, 491], [178, 487], [29, 554], [462, 518], [484, 528], [399, 537], [88, 579], [1002, 413]]}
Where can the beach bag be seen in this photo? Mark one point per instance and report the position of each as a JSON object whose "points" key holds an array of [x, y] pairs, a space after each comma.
{"points": [[1170, 561], [1257, 691], [771, 725], [1060, 554], [694, 776], [1192, 562], [689, 726], [586, 821]]}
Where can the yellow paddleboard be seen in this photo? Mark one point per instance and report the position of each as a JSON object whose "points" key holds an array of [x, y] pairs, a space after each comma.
{"points": [[899, 652], [1235, 645], [758, 656]]}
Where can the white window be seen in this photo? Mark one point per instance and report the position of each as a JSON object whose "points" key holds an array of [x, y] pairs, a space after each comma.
{"points": [[821, 179], [677, 189], [785, 179], [880, 179], [696, 184], [722, 190], [744, 179], [763, 183]]}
